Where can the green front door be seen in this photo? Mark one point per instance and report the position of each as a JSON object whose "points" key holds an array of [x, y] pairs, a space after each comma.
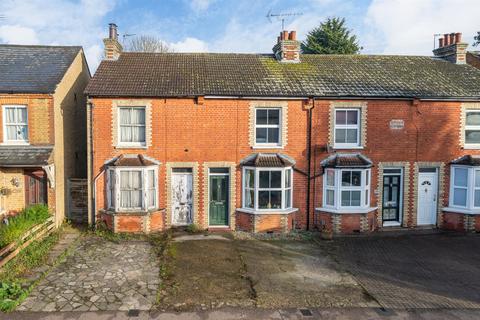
{"points": [[218, 200]]}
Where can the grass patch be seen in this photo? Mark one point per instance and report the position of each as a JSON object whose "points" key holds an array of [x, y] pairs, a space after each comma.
{"points": [[101, 230], [21, 223], [166, 251], [193, 228], [13, 286]]}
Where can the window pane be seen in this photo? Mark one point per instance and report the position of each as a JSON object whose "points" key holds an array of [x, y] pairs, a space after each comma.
{"points": [[288, 198], [288, 178], [366, 197], [249, 196], [124, 180], [460, 177], [367, 177], [460, 197], [346, 178], [473, 119], [352, 136], [151, 198], [356, 178], [263, 199], [330, 197], [340, 117], [345, 198], [477, 178], [340, 135], [472, 136], [275, 199], [355, 198], [275, 179], [124, 116], [477, 199], [261, 135], [352, 117], [136, 180], [273, 135], [138, 116], [262, 116], [273, 116], [331, 178], [250, 178], [136, 199], [264, 177]]}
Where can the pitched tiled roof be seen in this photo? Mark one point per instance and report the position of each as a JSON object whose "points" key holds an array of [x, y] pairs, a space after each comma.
{"points": [[271, 160], [132, 160], [344, 160], [24, 156], [467, 160], [33, 69], [192, 74]]}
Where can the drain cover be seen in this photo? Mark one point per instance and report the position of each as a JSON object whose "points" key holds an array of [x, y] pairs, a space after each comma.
{"points": [[385, 312], [306, 312], [133, 313]]}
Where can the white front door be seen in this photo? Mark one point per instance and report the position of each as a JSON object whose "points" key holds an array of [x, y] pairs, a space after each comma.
{"points": [[182, 198], [427, 198]]}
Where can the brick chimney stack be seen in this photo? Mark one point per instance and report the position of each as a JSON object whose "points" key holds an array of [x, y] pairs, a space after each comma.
{"points": [[451, 48], [287, 48], [113, 48]]}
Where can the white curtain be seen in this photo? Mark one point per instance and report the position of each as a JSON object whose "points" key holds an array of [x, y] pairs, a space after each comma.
{"points": [[132, 125], [152, 193], [16, 123], [131, 189]]}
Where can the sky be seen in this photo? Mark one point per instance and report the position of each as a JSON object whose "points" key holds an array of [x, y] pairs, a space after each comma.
{"points": [[382, 26]]}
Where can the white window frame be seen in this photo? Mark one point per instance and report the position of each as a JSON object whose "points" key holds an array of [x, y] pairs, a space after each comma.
{"points": [[364, 189], [279, 126], [115, 204], [347, 126], [121, 143], [5, 124], [471, 188], [283, 189], [470, 127]]}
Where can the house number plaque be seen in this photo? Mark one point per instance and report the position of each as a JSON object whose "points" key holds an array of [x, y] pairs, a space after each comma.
{"points": [[397, 124]]}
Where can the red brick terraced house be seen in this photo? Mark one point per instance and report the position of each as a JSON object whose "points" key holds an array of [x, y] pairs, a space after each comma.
{"points": [[282, 141], [43, 125]]}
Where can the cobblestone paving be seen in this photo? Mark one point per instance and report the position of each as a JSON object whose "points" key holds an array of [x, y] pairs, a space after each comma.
{"points": [[416, 271], [99, 275]]}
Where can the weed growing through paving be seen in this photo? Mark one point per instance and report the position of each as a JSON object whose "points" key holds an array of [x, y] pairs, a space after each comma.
{"points": [[101, 230], [166, 252]]}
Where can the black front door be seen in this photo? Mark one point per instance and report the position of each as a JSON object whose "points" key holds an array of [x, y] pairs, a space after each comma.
{"points": [[391, 198]]}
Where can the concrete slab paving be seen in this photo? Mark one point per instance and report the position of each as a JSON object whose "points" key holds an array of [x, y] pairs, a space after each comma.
{"points": [[99, 275]]}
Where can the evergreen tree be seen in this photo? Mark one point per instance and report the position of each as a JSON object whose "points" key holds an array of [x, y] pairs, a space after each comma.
{"points": [[331, 37]]}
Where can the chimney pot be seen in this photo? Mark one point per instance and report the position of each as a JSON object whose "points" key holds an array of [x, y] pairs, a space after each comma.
{"points": [[458, 37], [112, 31], [446, 39], [440, 42], [284, 35], [292, 35], [452, 38]]}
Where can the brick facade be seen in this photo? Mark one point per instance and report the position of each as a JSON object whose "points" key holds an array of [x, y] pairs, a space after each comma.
{"points": [[186, 133]]}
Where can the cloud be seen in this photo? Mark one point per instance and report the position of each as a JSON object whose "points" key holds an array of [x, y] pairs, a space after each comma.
{"points": [[18, 34], [57, 22], [408, 26], [190, 45], [200, 5]]}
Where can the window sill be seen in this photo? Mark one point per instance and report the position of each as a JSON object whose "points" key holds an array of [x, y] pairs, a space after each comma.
{"points": [[139, 212], [13, 143], [270, 211], [472, 147], [353, 210], [391, 224], [347, 147], [462, 210], [267, 147], [130, 146]]}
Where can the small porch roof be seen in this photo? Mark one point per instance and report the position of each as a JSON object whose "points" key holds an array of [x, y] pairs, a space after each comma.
{"points": [[132, 160], [347, 160], [269, 160], [467, 160], [26, 156]]}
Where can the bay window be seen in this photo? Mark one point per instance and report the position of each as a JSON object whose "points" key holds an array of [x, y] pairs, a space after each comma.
{"points": [[132, 188], [267, 188], [465, 187], [346, 188]]}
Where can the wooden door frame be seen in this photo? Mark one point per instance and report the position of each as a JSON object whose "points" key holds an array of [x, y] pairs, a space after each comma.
{"points": [[35, 173]]}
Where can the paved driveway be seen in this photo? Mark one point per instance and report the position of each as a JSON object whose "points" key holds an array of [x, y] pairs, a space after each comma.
{"points": [[99, 275], [415, 271]]}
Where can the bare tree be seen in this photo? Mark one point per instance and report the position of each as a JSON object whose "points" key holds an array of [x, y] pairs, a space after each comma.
{"points": [[146, 43]]}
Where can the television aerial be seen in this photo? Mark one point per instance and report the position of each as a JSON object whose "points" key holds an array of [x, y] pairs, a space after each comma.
{"points": [[282, 16]]}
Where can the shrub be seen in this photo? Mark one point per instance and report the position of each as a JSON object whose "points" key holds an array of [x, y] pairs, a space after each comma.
{"points": [[9, 294], [22, 222], [193, 228]]}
